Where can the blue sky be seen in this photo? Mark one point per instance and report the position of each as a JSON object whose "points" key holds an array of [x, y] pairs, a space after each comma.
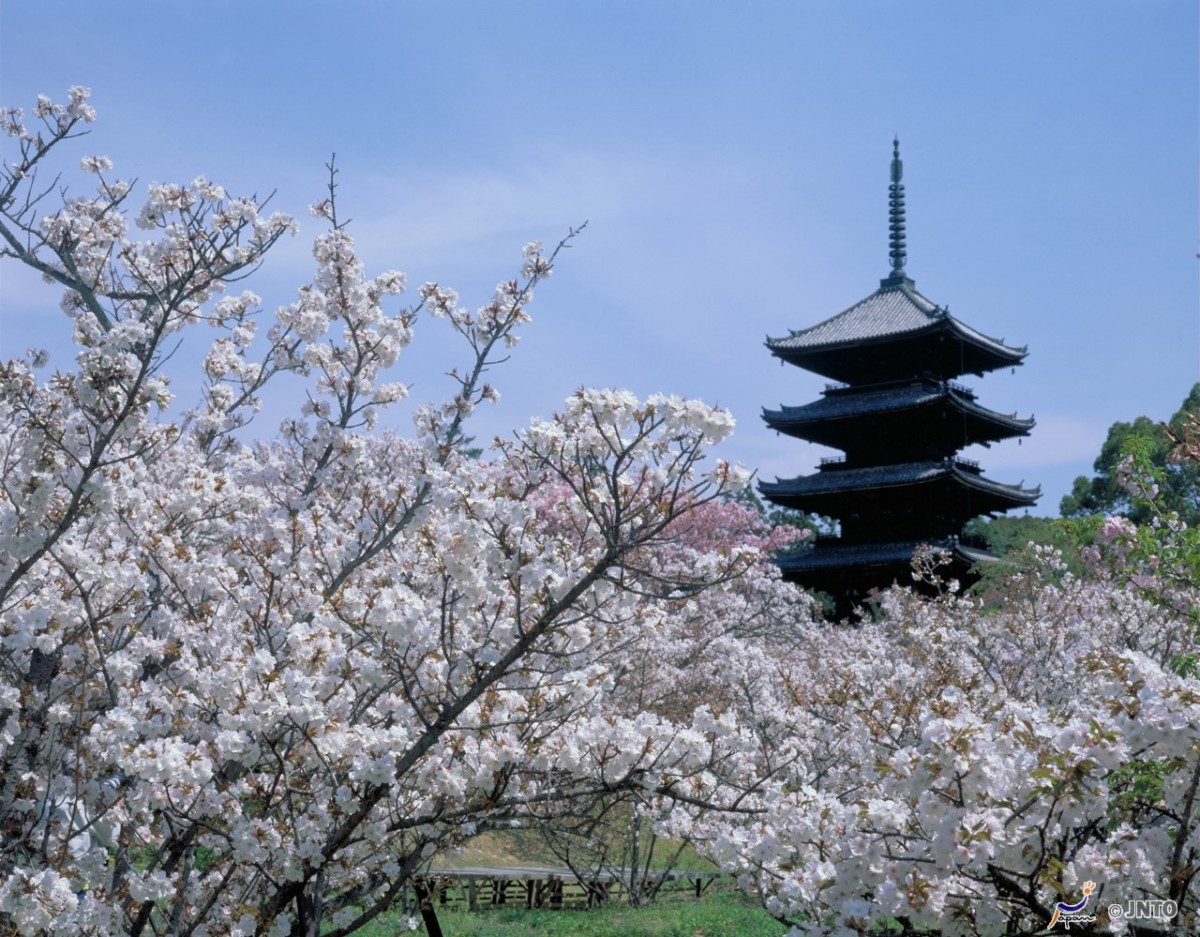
{"points": [[731, 161]]}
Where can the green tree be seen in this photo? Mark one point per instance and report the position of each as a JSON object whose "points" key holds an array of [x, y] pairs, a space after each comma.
{"points": [[1009, 536], [1180, 481], [1015, 540]]}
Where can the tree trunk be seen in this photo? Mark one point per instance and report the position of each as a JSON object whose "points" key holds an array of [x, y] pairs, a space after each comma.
{"points": [[425, 903], [310, 908]]}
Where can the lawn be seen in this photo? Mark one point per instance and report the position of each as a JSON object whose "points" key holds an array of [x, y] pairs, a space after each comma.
{"points": [[721, 912], [718, 914]]}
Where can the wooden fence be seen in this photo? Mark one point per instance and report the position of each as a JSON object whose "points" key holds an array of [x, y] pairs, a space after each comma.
{"points": [[540, 886]]}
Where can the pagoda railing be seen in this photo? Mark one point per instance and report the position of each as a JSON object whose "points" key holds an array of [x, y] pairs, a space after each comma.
{"points": [[925, 377]]}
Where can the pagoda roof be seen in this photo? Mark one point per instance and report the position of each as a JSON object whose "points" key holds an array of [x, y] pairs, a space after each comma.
{"points": [[850, 572], [887, 311], [896, 314], [846, 556], [841, 409], [834, 488]]}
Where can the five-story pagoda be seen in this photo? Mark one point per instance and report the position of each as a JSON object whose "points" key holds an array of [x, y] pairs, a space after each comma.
{"points": [[900, 419]]}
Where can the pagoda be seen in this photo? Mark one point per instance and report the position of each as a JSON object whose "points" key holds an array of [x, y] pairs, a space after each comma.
{"points": [[900, 419]]}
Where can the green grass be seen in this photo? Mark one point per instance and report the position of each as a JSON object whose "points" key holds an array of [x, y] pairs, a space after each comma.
{"points": [[722, 912], [717, 914]]}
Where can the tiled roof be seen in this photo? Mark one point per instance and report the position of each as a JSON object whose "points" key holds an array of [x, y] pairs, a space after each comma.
{"points": [[871, 554], [884, 400], [834, 406], [890, 310], [884, 476]]}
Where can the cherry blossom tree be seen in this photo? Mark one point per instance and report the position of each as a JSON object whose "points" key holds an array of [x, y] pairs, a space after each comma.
{"points": [[954, 769], [252, 681], [711, 652]]}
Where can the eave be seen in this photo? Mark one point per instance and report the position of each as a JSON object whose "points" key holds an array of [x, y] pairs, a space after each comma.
{"points": [[893, 328], [949, 486], [917, 410]]}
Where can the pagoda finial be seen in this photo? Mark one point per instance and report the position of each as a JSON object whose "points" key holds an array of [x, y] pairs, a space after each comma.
{"points": [[896, 213]]}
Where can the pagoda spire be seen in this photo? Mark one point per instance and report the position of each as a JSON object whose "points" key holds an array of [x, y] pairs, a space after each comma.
{"points": [[896, 214]]}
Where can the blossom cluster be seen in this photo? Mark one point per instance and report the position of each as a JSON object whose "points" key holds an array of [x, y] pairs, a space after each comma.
{"points": [[251, 683], [961, 769]]}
